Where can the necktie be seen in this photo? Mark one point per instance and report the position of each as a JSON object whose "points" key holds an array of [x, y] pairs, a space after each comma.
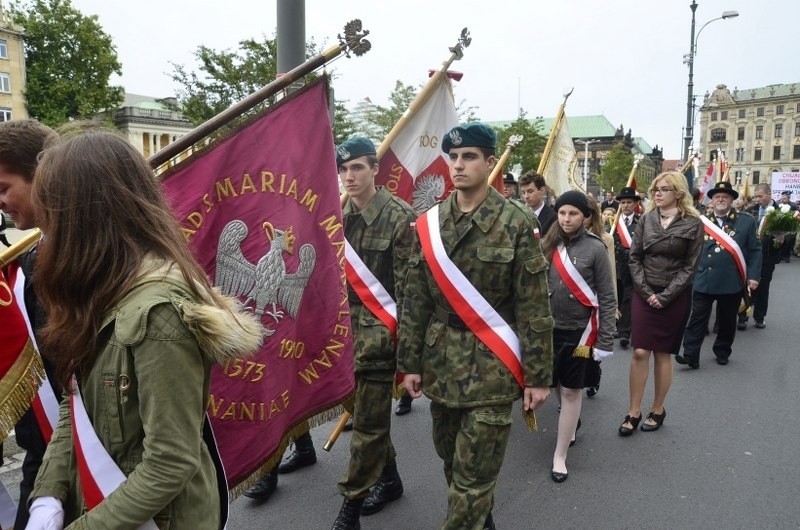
{"points": [[760, 213], [627, 221]]}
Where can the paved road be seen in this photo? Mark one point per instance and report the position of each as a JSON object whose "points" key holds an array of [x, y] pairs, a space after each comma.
{"points": [[725, 458]]}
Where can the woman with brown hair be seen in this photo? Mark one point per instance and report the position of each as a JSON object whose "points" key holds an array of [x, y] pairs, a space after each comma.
{"points": [[134, 328], [663, 260], [583, 306]]}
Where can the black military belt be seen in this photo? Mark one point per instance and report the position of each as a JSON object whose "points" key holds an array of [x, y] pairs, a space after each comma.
{"points": [[451, 319]]}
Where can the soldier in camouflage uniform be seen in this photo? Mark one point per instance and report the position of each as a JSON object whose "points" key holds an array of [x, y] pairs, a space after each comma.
{"points": [[491, 241], [377, 226]]}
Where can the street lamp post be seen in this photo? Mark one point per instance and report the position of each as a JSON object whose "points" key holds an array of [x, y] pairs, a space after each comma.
{"points": [[689, 59], [586, 160]]}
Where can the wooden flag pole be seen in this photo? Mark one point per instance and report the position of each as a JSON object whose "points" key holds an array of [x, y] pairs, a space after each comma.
{"points": [[352, 41], [20, 247], [512, 144], [553, 133], [636, 159], [456, 53]]}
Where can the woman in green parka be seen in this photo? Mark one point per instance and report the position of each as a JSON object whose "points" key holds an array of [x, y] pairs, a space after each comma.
{"points": [[132, 316]]}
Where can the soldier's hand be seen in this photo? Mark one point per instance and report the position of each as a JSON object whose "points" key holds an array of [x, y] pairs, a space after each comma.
{"points": [[534, 397], [413, 384]]}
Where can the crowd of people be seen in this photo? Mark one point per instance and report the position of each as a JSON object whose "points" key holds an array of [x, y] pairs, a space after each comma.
{"points": [[494, 299]]}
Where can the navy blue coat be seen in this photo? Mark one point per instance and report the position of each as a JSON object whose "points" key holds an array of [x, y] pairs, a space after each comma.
{"points": [[716, 271]]}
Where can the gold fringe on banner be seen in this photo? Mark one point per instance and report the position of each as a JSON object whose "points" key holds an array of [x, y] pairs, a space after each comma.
{"points": [[530, 420], [583, 352], [18, 388]]}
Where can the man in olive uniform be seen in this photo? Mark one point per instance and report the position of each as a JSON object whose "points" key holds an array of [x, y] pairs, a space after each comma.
{"points": [[378, 227], [490, 241], [719, 277]]}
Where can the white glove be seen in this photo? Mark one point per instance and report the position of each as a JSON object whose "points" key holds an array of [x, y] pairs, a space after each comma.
{"points": [[46, 514], [599, 355]]}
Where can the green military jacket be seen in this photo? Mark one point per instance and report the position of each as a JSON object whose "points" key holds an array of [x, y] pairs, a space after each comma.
{"points": [[381, 234], [146, 396], [495, 248]]}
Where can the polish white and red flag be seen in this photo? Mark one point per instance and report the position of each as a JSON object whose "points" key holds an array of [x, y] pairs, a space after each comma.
{"points": [[414, 167]]}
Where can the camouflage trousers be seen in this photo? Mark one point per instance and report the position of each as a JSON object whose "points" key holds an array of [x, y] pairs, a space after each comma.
{"points": [[371, 445], [472, 443]]}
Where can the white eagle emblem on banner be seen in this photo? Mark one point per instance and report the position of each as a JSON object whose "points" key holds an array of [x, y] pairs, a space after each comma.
{"points": [[266, 286], [427, 190]]}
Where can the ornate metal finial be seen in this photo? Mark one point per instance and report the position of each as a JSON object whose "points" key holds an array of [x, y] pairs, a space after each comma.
{"points": [[638, 157], [463, 42], [353, 40], [514, 140]]}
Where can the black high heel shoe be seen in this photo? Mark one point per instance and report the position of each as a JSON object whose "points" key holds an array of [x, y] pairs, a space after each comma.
{"points": [[633, 420], [657, 418]]}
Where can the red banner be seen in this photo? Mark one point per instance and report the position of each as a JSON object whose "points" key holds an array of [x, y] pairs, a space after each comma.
{"points": [[261, 213]]}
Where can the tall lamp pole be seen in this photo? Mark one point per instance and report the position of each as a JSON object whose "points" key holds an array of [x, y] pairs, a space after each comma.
{"points": [[689, 59], [586, 160]]}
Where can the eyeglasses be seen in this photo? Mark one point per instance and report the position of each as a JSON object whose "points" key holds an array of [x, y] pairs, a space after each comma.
{"points": [[662, 190]]}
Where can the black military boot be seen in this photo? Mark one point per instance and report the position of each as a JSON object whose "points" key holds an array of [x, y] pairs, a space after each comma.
{"points": [[488, 524], [302, 456], [264, 488], [349, 515], [404, 405], [388, 488]]}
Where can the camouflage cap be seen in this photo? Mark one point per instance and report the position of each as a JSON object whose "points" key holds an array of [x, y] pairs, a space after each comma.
{"points": [[473, 134], [354, 147]]}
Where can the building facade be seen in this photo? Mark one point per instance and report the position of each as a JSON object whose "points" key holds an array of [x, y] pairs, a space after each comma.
{"points": [[757, 129], [149, 123], [12, 70]]}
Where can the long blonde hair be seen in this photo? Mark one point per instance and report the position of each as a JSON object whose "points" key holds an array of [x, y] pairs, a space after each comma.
{"points": [[682, 196]]}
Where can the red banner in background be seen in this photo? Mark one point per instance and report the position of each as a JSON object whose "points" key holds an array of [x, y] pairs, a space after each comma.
{"points": [[261, 213]]}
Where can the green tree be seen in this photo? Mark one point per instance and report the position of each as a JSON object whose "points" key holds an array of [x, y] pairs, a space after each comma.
{"points": [[69, 60], [616, 169], [224, 77], [528, 153], [383, 118]]}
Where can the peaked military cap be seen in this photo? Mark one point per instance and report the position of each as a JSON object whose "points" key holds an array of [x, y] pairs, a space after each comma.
{"points": [[725, 187], [473, 134], [354, 147], [628, 193], [509, 179]]}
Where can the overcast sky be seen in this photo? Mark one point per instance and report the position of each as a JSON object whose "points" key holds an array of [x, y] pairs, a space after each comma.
{"points": [[623, 57]]}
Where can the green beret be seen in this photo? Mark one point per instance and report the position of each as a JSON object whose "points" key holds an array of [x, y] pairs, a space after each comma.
{"points": [[473, 134], [354, 147]]}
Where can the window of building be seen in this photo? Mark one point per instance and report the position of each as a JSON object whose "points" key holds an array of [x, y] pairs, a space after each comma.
{"points": [[5, 114], [778, 109], [796, 151], [776, 152], [737, 175], [756, 176], [3, 49], [718, 134], [740, 154], [740, 133], [759, 132], [797, 128], [713, 116], [757, 154], [759, 111], [778, 130], [5, 82], [743, 113], [723, 115]]}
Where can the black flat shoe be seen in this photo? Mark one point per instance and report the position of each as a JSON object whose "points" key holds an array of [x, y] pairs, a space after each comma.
{"points": [[634, 421], [657, 418], [721, 360], [680, 359], [558, 477]]}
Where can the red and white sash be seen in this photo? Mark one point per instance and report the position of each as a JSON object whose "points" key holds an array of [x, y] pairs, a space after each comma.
{"points": [[581, 290], [729, 244], [98, 472], [45, 403], [370, 290], [624, 234], [469, 304]]}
